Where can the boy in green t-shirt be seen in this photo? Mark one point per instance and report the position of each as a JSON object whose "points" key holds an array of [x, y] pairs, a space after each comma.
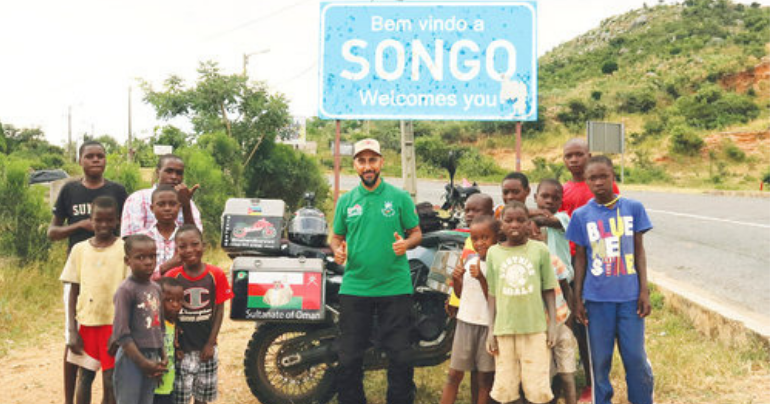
{"points": [[520, 277], [172, 297]]}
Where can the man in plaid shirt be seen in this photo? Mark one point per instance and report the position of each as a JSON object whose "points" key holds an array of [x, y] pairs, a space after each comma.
{"points": [[137, 211]]}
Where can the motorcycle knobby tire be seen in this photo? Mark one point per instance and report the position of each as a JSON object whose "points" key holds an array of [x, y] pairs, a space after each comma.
{"points": [[264, 374]]}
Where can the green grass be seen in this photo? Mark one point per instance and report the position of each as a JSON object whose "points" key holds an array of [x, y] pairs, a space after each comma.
{"points": [[31, 301], [688, 367]]}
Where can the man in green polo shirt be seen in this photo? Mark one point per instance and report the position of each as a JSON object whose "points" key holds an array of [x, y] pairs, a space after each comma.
{"points": [[374, 225]]}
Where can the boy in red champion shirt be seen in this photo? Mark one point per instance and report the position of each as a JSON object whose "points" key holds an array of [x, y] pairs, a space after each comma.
{"points": [[206, 289]]}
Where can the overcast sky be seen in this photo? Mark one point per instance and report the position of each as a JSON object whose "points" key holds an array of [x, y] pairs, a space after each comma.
{"points": [[86, 53]]}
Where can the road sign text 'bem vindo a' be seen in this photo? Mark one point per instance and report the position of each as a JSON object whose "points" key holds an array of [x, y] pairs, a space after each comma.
{"points": [[428, 60]]}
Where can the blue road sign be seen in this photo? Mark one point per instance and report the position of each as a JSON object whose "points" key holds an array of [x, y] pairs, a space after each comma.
{"points": [[428, 60]]}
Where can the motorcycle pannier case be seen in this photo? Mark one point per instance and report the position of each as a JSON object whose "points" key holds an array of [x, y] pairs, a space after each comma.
{"points": [[252, 225], [278, 289], [440, 275]]}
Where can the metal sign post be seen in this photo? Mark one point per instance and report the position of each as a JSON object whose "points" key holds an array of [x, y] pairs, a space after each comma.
{"points": [[518, 146], [408, 169], [337, 161]]}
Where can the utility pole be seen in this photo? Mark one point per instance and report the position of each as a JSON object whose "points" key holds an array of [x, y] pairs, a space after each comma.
{"points": [[336, 161], [246, 57], [408, 170], [130, 136], [518, 146], [70, 148]]}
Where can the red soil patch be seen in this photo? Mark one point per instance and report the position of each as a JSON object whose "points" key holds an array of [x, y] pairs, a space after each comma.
{"points": [[750, 142], [757, 78]]}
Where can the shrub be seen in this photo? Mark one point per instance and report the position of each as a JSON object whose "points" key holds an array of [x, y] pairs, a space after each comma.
{"points": [[609, 67], [169, 135], [456, 131], [538, 126], [721, 173], [223, 148], [472, 164], [545, 169], [637, 138], [452, 133], [766, 176], [596, 95], [733, 152], [654, 127], [644, 170], [578, 112], [24, 215], [287, 175], [636, 101], [685, 142], [435, 152], [201, 168], [127, 174], [712, 108], [47, 161]]}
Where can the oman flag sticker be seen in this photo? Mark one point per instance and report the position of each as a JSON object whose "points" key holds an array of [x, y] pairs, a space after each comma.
{"points": [[285, 290]]}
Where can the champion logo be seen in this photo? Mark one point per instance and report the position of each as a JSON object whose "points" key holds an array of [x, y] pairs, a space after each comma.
{"points": [[197, 298]]}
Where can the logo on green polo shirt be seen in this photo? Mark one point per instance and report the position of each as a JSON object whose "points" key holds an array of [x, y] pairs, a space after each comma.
{"points": [[355, 210], [388, 210]]}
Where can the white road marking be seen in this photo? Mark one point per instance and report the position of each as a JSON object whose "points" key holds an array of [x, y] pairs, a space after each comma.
{"points": [[715, 219]]}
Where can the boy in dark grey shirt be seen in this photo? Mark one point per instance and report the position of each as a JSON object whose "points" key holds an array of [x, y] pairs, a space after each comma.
{"points": [[138, 327]]}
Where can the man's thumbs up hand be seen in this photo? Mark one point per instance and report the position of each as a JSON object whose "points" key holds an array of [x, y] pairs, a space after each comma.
{"points": [[399, 247], [341, 253]]}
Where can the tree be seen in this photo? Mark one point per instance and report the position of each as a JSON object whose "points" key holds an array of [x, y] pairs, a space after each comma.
{"points": [[218, 102], [110, 144], [30, 144], [30, 139], [169, 135], [3, 143], [237, 122]]}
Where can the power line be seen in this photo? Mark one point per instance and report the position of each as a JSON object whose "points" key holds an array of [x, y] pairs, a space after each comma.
{"points": [[298, 75], [254, 21]]}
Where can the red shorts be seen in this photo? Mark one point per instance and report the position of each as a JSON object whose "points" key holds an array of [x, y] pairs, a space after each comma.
{"points": [[95, 343]]}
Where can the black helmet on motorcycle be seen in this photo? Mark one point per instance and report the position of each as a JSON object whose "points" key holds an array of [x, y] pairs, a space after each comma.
{"points": [[308, 227]]}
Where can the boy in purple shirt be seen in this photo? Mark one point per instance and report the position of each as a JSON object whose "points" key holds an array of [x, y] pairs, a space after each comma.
{"points": [[137, 327]]}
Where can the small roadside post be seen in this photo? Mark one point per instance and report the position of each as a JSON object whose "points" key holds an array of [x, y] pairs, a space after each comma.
{"points": [[608, 137]]}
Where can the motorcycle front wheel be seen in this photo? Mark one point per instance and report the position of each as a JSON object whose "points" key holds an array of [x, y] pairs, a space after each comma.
{"points": [[272, 382]]}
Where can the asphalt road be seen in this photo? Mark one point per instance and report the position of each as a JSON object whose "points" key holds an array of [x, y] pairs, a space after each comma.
{"points": [[720, 244]]}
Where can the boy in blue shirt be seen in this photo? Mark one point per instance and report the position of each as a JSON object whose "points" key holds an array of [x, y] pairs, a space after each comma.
{"points": [[611, 295]]}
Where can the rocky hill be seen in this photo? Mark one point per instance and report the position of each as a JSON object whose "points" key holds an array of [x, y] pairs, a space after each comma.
{"points": [[691, 81]]}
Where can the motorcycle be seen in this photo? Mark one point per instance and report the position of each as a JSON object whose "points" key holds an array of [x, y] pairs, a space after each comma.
{"points": [[452, 212], [291, 357]]}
